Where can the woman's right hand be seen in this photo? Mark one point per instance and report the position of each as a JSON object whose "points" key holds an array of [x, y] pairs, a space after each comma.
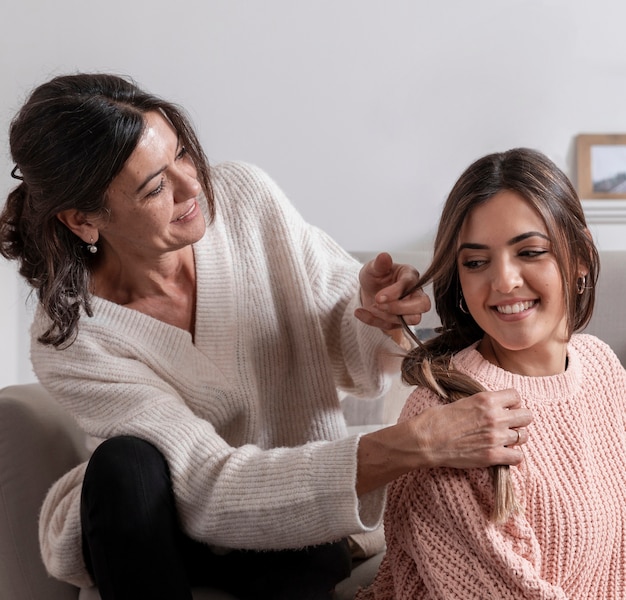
{"points": [[477, 431]]}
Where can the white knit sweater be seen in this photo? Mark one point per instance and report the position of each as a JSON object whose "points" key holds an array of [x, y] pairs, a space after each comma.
{"points": [[246, 413]]}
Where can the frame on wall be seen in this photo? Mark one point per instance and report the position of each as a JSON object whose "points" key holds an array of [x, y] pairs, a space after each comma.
{"points": [[601, 160]]}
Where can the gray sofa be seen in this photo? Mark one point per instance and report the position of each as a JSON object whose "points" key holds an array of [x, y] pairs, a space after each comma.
{"points": [[39, 442]]}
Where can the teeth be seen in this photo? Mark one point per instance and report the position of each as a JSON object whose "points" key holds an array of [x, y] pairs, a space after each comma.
{"points": [[511, 309], [187, 213]]}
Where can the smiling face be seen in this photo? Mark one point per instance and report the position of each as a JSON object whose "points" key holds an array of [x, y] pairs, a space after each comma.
{"points": [[512, 286], [153, 202]]}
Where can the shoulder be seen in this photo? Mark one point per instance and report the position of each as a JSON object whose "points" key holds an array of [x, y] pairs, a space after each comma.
{"points": [[236, 175], [234, 184], [246, 196], [418, 401], [588, 345], [422, 398], [595, 358]]}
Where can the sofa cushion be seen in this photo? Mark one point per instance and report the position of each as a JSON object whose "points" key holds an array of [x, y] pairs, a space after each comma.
{"points": [[38, 443]]}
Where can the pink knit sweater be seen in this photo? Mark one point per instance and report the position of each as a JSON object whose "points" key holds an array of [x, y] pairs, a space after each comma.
{"points": [[570, 541]]}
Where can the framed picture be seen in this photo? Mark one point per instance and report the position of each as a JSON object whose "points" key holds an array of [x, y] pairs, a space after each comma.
{"points": [[601, 162]]}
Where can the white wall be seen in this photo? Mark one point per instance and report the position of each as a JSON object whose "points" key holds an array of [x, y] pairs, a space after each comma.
{"points": [[364, 111]]}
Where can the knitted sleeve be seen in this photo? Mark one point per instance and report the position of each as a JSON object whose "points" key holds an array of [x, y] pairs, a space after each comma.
{"points": [[240, 497], [252, 443], [322, 279], [442, 544]]}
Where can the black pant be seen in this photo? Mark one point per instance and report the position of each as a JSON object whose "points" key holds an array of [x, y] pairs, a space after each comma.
{"points": [[134, 547]]}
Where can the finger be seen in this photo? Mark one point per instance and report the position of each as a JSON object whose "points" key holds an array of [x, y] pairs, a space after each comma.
{"points": [[518, 434], [508, 398], [507, 456], [369, 318], [519, 417], [510, 401], [516, 415], [377, 316], [403, 286], [381, 265], [415, 304], [523, 436], [412, 319]]}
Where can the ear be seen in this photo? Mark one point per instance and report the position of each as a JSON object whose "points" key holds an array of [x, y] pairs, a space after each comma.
{"points": [[79, 224], [583, 268]]}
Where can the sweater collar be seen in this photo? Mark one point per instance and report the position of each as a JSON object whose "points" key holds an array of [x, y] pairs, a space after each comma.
{"points": [[541, 389]]}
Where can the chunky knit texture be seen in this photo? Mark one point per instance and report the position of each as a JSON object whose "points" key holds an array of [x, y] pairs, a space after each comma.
{"points": [[246, 413], [570, 541]]}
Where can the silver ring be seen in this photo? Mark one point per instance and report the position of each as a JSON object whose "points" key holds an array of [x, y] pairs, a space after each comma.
{"points": [[518, 437]]}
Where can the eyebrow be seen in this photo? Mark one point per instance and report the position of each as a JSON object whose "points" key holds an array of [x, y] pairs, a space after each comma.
{"points": [[518, 238]]}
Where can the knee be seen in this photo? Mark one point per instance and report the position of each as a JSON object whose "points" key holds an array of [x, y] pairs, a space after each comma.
{"points": [[125, 461]]}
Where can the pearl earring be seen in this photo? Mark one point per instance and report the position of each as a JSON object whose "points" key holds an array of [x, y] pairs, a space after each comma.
{"points": [[92, 247]]}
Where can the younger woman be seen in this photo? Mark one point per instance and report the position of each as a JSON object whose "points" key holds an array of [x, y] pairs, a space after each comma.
{"points": [[519, 281]]}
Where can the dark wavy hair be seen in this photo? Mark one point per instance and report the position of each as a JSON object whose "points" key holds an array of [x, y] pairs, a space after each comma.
{"points": [[69, 141], [548, 190]]}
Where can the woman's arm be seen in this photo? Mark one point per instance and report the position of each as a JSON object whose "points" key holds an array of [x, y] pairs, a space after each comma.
{"points": [[473, 432], [231, 491]]}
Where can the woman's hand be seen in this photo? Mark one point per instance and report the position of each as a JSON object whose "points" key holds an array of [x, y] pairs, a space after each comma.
{"points": [[477, 431], [383, 288]]}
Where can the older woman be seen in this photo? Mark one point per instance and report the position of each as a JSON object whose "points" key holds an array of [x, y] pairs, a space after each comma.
{"points": [[198, 329]]}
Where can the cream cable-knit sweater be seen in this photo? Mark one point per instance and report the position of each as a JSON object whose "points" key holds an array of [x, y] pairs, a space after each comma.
{"points": [[570, 542], [244, 413]]}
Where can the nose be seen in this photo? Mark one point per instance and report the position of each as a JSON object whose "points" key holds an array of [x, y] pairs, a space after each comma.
{"points": [[186, 184], [506, 277]]}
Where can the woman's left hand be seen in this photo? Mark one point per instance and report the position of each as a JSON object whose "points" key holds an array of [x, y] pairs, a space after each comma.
{"points": [[383, 288]]}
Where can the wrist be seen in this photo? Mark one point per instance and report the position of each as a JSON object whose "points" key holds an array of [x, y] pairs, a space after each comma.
{"points": [[388, 453]]}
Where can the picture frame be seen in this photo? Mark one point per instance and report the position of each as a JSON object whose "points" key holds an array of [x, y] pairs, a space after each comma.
{"points": [[601, 164]]}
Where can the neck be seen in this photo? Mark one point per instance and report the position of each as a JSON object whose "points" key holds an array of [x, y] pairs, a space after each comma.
{"points": [[127, 282], [531, 362]]}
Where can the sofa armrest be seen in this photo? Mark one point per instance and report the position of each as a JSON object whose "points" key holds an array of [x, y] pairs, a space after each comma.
{"points": [[39, 442]]}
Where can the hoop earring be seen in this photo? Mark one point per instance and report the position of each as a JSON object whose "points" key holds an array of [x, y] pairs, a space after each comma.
{"points": [[463, 308], [581, 284], [92, 247]]}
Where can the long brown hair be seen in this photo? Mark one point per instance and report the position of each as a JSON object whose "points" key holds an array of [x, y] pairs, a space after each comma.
{"points": [[547, 189], [69, 141]]}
